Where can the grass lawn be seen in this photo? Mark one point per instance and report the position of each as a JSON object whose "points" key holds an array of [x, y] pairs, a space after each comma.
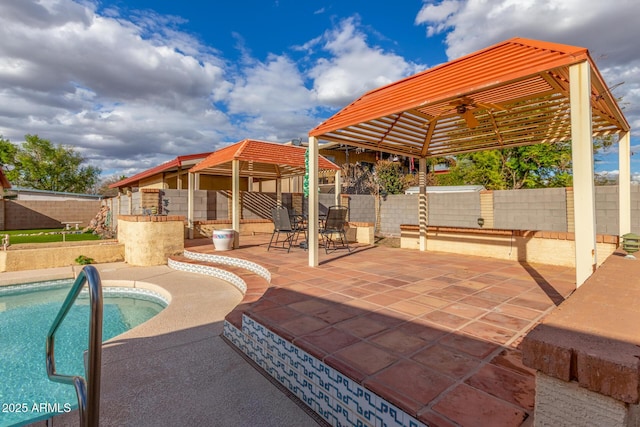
{"points": [[43, 236]]}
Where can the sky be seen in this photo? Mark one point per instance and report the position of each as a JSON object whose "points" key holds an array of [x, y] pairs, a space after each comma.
{"points": [[132, 84]]}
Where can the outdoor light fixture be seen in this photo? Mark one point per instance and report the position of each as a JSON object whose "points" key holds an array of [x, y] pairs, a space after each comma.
{"points": [[480, 222]]}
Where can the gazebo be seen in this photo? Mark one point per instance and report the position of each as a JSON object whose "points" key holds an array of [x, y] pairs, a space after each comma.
{"points": [[254, 159], [517, 92]]}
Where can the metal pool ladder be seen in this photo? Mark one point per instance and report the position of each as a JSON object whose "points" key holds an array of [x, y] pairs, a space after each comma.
{"points": [[88, 391]]}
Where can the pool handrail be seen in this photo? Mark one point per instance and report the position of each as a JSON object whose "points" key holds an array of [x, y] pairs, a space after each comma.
{"points": [[88, 391]]}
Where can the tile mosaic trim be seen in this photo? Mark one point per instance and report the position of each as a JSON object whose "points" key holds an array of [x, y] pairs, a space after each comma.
{"points": [[227, 260], [207, 270], [335, 397]]}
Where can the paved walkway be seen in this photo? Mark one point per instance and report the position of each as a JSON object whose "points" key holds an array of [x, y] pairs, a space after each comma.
{"points": [[436, 334], [175, 370]]}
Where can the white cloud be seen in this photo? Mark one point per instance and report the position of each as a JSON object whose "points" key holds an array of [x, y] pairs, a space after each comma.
{"points": [[272, 100], [104, 85], [353, 66], [608, 30], [132, 91]]}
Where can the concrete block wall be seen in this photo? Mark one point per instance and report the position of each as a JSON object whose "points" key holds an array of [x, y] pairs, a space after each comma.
{"points": [[635, 209], [175, 202], [607, 221], [536, 209], [361, 207], [29, 214], [398, 209], [454, 209]]}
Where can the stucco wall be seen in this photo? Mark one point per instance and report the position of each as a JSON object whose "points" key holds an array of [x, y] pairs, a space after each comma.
{"points": [[20, 257], [150, 240]]}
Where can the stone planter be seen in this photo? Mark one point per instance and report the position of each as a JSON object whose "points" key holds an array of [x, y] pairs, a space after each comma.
{"points": [[223, 239]]}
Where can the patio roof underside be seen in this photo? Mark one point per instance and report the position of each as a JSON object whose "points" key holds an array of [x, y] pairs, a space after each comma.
{"points": [[517, 91], [259, 159]]}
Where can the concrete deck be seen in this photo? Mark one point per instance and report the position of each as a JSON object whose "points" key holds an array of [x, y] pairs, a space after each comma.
{"points": [[175, 369], [436, 334]]}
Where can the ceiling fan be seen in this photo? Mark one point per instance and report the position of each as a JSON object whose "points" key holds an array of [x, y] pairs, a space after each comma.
{"points": [[464, 106]]}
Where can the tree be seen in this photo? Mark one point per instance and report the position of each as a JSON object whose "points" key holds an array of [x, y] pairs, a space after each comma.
{"points": [[531, 166], [41, 165], [389, 177], [102, 187]]}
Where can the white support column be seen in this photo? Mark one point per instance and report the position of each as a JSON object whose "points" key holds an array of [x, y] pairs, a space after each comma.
{"points": [[190, 202], [624, 183], [338, 187], [423, 212], [278, 191], [313, 201], [250, 184], [235, 200], [583, 177]]}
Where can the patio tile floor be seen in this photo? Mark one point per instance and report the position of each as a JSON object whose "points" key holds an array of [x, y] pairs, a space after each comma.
{"points": [[436, 334]]}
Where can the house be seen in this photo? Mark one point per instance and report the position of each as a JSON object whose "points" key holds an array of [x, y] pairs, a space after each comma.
{"points": [[169, 175]]}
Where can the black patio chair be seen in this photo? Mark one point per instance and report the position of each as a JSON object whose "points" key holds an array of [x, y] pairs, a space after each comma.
{"points": [[334, 234], [284, 224]]}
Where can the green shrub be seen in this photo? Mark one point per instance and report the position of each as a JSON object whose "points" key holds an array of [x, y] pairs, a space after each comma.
{"points": [[84, 260]]}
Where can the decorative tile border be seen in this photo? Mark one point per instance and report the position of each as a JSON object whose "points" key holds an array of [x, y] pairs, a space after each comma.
{"points": [[335, 397], [227, 260], [207, 270]]}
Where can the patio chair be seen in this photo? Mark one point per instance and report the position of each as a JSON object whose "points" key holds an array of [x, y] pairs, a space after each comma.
{"points": [[284, 224], [333, 232]]}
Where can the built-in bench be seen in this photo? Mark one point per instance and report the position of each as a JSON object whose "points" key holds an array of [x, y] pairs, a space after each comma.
{"points": [[543, 247], [586, 352]]}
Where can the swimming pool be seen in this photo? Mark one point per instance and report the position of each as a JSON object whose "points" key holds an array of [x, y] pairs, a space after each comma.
{"points": [[26, 314]]}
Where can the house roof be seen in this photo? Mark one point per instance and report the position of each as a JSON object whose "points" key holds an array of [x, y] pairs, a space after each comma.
{"points": [[170, 166], [513, 93], [4, 182], [260, 159]]}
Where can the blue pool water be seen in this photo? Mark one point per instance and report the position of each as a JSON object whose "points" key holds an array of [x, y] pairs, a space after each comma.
{"points": [[26, 314]]}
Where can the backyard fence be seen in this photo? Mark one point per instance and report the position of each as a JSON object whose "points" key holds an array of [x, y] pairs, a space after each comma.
{"points": [[547, 209]]}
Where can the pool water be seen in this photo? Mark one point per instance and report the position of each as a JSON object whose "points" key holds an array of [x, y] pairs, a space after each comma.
{"points": [[26, 314]]}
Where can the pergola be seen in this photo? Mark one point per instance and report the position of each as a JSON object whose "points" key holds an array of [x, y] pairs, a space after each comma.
{"points": [[518, 92], [253, 159]]}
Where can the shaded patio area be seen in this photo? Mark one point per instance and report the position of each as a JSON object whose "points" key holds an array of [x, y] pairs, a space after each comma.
{"points": [[435, 334]]}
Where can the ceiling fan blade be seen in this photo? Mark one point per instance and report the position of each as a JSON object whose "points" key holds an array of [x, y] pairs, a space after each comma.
{"points": [[470, 119]]}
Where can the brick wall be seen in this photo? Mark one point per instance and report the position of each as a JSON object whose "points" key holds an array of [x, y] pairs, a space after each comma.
{"points": [[29, 214]]}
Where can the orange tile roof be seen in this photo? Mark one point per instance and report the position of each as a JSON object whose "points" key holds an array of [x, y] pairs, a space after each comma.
{"points": [[167, 166], [260, 159], [516, 90]]}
